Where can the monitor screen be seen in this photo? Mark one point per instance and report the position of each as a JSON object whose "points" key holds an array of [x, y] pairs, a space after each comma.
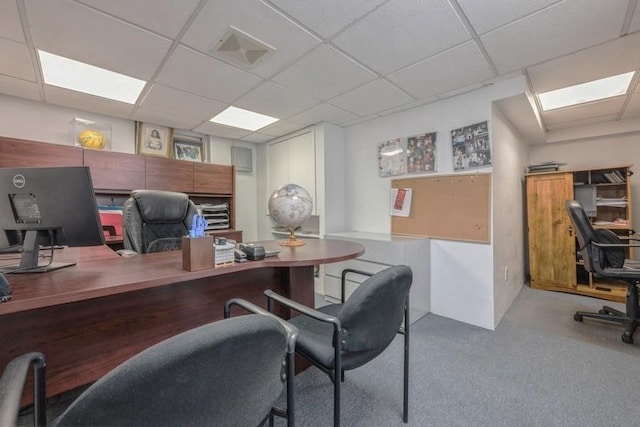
{"points": [[47, 206]]}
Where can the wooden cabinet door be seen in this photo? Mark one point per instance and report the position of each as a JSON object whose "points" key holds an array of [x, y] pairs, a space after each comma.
{"points": [[552, 250], [16, 153], [212, 179], [168, 174], [115, 171]]}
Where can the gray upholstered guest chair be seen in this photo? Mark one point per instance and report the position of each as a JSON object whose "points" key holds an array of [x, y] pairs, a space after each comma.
{"points": [[154, 221], [341, 337], [603, 254], [226, 373]]}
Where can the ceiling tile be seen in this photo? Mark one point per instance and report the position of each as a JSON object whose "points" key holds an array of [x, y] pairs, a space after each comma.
{"points": [[20, 65], [324, 113], [635, 20], [403, 32], [257, 20], [257, 138], [589, 64], [194, 72], [10, 26], [408, 106], [20, 88], [281, 127], [166, 118], [584, 122], [372, 98], [166, 17], [221, 131], [95, 104], [275, 101], [324, 74], [360, 120], [445, 72], [74, 31], [183, 104], [582, 112], [558, 30], [632, 110], [326, 17], [487, 15]]}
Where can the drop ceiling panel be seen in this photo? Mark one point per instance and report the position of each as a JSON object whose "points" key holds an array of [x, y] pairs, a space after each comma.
{"points": [[166, 17], [165, 118], [188, 106], [447, 71], [20, 65], [323, 74], [635, 20], [326, 17], [95, 104], [372, 98], [633, 108], [419, 29], [557, 30], [585, 122], [582, 112], [221, 131], [589, 64], [257, 138], [281, 127], [324, 113], [275, 101], [20, 88], [74, 31], [257, 20], [10, 27], [194, 72], [487, 15]]}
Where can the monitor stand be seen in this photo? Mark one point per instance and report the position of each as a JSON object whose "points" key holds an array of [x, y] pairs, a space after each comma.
{"points": [[30, 258]]}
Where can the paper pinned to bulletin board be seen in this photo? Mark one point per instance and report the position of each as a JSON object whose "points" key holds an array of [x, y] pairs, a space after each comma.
{"points": [[400, 202]]}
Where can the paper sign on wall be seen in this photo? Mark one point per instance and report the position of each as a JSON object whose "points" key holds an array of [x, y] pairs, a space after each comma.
{"points": [[400, 202]]}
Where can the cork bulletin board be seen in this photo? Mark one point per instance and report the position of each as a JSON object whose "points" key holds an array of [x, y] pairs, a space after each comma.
{"points": [[454, 207]]}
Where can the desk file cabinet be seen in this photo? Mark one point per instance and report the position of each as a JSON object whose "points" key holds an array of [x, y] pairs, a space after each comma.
{"points": [[382, 251]]}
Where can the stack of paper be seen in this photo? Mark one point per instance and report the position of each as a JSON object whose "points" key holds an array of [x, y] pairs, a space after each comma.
{"points": [[544, 166], [217, 216]]}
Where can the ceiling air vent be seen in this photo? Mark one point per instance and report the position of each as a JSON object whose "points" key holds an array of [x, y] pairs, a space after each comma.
{"points": [[241, 48]]}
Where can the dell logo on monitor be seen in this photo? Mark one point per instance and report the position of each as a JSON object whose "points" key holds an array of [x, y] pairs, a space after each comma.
{"points": [[19, 181]]}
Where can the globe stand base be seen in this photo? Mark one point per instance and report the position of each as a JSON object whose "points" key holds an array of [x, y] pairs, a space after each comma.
{"points": [[292, 242]]}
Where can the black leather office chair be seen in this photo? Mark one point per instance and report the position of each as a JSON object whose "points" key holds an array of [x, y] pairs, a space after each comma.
{"points": [[603, 253], [341, 337], [226, 373], [154, 221]]}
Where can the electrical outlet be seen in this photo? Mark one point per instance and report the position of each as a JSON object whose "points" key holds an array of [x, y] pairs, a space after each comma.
{"points": [[506, 273]]}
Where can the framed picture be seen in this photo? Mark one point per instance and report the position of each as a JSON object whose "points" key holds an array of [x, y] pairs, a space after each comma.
{"points": [[471, 147], [187, 150], [153, 140], [391, 157], [421, 153]]}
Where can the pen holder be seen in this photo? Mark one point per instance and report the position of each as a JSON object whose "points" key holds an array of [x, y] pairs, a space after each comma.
{"points": [[197, 253]]}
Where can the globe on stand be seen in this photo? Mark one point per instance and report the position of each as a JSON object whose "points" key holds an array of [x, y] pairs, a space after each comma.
{"points": [[290, 206]]}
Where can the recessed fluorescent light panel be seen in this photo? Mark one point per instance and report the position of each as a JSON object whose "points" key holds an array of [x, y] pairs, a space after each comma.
{"points": [[243, 119], [586, 92], [80, 77]]}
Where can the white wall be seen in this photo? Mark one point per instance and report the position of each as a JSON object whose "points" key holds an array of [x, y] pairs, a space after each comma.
{"points": [[462, 275], [37, 121], [510, 155]]}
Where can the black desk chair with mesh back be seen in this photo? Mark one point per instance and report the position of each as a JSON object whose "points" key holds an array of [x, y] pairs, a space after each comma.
{"points": [[604, 255]]}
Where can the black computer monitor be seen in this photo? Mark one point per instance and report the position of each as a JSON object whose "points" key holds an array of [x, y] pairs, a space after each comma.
{"points": [[47, 206]]}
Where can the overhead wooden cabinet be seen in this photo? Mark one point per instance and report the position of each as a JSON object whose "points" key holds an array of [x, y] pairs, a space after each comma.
{"points": [[554, 259], [15, 153], [115, 171]]}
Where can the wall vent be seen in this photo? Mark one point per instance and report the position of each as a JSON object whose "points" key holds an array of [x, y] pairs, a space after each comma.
{"points": [[241, 48]]}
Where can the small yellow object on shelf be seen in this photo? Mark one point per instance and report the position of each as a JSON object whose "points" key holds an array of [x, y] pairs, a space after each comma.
{"points": [[89, 134], [92, 139]]}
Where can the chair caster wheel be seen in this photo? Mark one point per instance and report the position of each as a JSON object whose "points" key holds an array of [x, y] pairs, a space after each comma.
{"points": [[577, 317], [627, 339]]}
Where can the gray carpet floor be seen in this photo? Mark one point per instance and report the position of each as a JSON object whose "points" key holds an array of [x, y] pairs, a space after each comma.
{"points": [[538, 368]]}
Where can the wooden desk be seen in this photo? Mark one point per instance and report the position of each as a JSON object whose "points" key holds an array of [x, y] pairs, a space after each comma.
{"points": [[89, 318]]}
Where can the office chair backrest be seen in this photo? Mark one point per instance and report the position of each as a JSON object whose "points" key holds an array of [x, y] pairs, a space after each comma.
{"points": [[154, 221], [595, 258], [374, 312], [227, 373]]}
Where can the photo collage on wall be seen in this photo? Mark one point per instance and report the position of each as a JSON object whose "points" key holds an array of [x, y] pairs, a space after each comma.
{"points": [[421, 153], [471, 148]]}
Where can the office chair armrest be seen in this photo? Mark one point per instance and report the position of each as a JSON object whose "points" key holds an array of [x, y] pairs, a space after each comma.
{"points": [[292, 331], [615, 245], [12, 385], [303, 309], [344, 279]]}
